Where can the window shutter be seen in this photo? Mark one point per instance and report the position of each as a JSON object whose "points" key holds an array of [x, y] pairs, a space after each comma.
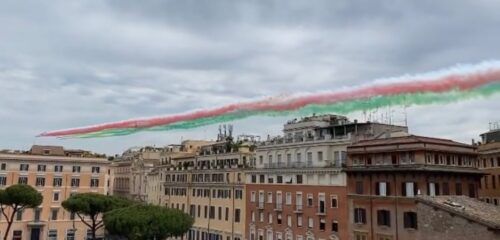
{"points": [[388, 189], [415, 188], [403, 189], [377, 188]]}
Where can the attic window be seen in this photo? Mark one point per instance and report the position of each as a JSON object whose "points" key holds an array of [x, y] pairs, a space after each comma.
{"points": [[46, 152]]}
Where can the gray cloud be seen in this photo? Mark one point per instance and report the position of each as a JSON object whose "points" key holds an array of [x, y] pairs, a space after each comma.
{"points": [[76, 63]]}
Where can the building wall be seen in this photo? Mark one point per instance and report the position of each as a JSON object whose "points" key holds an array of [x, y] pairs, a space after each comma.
{"points": [[435, 224], [489, 163], [381, 174], [272, 209], [62, 223]]}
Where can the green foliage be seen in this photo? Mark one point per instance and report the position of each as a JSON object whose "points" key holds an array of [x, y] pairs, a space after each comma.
{"points": [[89, 206], [147, 222], [17, 198], [21, 195]]}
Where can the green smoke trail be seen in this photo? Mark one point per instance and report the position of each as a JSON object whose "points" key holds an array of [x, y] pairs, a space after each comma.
{"points": [[415, 99]]}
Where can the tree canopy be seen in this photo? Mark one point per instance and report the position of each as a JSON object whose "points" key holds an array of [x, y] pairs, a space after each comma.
{"points": [[17, 198], [147, 222], [92, 206]]}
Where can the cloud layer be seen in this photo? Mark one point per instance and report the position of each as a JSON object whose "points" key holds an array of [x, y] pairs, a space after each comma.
{"points": [[78, 63]]}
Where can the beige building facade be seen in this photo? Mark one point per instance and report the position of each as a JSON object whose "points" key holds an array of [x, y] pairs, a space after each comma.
{"points": [[57, 174], [209, 185]]}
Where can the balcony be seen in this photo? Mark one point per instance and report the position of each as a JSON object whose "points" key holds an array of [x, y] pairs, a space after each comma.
{"points": [[260, 205]]}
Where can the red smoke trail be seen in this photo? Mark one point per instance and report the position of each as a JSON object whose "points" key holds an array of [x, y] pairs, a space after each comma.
{"points": [[440, 84]]}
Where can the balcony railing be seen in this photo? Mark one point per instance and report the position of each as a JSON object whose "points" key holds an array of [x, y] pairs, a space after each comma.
{"points": [[290, 165], [261, 205]]}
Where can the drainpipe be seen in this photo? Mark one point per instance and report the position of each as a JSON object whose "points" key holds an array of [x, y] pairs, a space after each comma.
{"points": [[371, 208]]}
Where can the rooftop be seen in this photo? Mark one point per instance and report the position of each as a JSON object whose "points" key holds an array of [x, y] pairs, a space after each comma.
{"points": [[469, 208], [408, 140]]}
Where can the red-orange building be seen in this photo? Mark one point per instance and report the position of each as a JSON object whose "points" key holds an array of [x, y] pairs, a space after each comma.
{"points": [[489, 163], [297, 190], [385, 175]]}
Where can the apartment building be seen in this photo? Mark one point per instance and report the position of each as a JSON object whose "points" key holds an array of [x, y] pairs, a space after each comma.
{"points": [[297, 189], [209, 185], [187, 149], [56, 173], [130, 172], [489, 163], [385, 175]]}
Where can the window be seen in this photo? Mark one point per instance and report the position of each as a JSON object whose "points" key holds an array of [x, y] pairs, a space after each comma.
{"points": [[58, 168], [320, 156], [299, 179], [254, 179], [299, 157], [36, 214], [52, 234], [289, 220], [299, 220], [22, 180], [288, 198], [262, 179], [359, 187], [310, 200], [458, 188], [321, 203], [237, 213], [309, 156], [55, 197], [310, 222], [433, 189], [410, 220], [219, 213], [384, 218], [333, 201], [269, 197], [211, 214], [40, 181], [278, 218], [94, 182], [446, 188], [409, 189], [19, 215], [335, 226], [382, 189], [322, 224], [252, 197], [57, 182], [70, 234], [96, 169], [41, 168], [53, 213], [360, 215], [3, 166], [75, 182], [3, 180], [76, 169], [24, 167], [270, 218], [17, 235], [261, 216], [253, 216], [279, 179]]}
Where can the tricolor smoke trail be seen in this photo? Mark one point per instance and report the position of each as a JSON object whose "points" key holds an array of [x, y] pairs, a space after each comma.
{"points": [[455, 84]]}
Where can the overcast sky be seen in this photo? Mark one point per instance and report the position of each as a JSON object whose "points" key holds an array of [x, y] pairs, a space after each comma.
{"points": [[74, 63]]}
